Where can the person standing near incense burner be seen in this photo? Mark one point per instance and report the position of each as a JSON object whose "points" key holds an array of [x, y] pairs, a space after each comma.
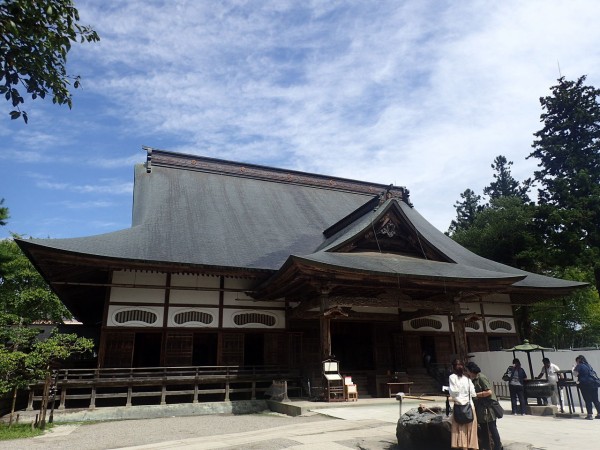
{"points": [[516, 376], [550, 371]]}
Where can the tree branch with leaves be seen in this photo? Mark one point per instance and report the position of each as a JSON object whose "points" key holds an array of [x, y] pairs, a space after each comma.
{"points": [[35, 38]]}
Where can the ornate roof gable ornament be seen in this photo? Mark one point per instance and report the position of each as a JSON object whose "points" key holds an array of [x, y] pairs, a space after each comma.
{"points": [[399, 192]]}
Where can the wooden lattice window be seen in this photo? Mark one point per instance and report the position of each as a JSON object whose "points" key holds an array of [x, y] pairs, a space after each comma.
{"points": [[254, 318], [193, 316], [500, 324], [425, 322], [135, 315]]}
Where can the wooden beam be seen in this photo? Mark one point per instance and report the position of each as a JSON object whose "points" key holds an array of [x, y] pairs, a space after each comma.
{"points": [[441, 303]]}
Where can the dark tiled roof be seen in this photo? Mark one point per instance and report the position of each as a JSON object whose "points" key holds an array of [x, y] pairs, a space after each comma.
{"points": [[219, 218], [200, 218]]}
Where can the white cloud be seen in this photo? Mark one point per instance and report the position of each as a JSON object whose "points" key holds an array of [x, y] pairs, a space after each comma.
{"points": [[111, 187], [424, 94]]}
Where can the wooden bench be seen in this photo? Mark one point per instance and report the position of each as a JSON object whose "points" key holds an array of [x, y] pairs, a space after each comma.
{"points": [[398, 386]]}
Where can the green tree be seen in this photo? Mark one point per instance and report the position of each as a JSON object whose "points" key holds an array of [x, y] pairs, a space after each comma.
{"points": [[35, 38], [466, 210], [568, 149], [503, 232], [47, 355], [572, 321], [25, 359], [23, 292], [504, 184], [3, 213]]}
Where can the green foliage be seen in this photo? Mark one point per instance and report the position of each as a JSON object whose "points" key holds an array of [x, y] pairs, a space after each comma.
{"points": [[570, 322], [504, 185], [3, 213], [466, 211], [35, 38], [18, 431], [20, 367], [503, 232], [23, 292], [509, 230], [568, 148], [56, 348]]}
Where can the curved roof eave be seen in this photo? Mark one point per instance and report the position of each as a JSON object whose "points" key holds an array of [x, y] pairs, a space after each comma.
{"points": [[405, 267]]}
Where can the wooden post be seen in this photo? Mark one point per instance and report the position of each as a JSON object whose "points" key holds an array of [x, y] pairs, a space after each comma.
{"points": [[325, 326], [195, 400], [63, 397], [44, 406], [129, 395], [30, 401], [460, 335], [163, 393], [93, 397]]}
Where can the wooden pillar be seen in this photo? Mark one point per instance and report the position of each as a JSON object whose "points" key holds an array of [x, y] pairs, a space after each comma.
{"points": [[460, 334], [325, 326]]}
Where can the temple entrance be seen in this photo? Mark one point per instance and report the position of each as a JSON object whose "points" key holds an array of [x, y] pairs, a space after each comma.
{"points": [[205, 349], [254, 344], [352, 345], [146, 350], [428, 351]]}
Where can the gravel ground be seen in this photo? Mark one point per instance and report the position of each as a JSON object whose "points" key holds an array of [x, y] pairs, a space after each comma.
{"points": [[108, 435]]}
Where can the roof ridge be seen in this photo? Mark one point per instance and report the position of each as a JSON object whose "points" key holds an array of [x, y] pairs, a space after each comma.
{"points": [[163, 158]]}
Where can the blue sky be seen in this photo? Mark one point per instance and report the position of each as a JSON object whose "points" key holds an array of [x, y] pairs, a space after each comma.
{"points": [[422, 94]]}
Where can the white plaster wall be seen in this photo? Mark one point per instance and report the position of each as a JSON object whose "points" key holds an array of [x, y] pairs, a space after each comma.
{"points": [[497, 304], [114, 309], [186, 280], [238, 283], [494, 364], [242, 300], [466, 308], [139, 277], [194, 297], [136, 295]]}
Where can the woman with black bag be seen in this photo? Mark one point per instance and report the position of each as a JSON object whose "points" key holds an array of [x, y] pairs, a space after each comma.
{"points": [[484, 409], [464, 421], [588, 385]]}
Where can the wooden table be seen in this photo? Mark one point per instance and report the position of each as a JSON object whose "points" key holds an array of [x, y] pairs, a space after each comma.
{"points": [[398, 386]]}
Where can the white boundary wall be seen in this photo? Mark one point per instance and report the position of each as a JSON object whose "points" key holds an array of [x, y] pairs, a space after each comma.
{"points": [[494, 364]]}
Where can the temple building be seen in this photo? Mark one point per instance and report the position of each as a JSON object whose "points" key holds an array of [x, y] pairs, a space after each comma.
{"points": [[233, 264]]}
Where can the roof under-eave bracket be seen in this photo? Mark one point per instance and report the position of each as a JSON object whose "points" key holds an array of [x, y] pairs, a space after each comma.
{"points": [[391, 246]]}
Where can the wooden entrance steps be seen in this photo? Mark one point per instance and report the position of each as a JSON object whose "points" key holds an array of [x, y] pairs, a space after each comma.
{"points": [[423, 383]]}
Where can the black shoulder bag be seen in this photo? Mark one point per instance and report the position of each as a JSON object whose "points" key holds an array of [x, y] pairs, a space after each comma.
{"points": [[463, 413]]}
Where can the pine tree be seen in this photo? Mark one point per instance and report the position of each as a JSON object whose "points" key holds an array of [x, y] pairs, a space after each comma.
{"points": [[504, 185], [568, 149], [466, 210]]}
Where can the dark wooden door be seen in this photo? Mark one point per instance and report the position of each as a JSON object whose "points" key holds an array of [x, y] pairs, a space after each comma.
{"points": [[118, 349], [274, 349], [232, 349], [412, 351], [179, 349], [443, 349]]}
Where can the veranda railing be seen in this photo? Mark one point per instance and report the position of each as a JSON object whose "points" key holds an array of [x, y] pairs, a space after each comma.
{"points": [[120, 386]]}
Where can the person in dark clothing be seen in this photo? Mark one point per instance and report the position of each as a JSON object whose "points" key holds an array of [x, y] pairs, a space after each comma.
{"points": [[588, 386], [486, 417], [516, 386]]}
